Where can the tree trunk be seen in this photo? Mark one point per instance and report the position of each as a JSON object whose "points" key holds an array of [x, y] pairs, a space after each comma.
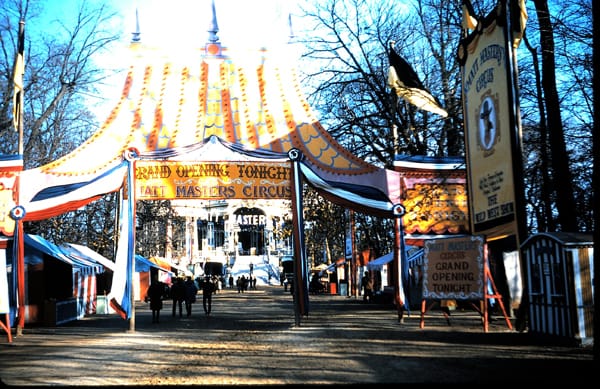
{"points": [[546, 221], [561, 174]]}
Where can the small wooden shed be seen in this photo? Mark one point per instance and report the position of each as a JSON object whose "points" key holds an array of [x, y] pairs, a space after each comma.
{"points": [[559, 270]]}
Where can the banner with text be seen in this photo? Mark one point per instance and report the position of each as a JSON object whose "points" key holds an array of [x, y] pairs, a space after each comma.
{"points": [[9, 194], [453, 268], [439, 208], [167, 180], [489, 121]]}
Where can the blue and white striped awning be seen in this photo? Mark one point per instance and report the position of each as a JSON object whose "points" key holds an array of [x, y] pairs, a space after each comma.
{"points": [[414, 257], [84, 265]]}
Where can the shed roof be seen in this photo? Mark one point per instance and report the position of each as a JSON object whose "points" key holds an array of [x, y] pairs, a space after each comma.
{"points": [[564, 238]]}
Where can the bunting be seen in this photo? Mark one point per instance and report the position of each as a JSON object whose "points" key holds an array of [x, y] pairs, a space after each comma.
{"points": [[300, 271], [120, 295], [407, 85], [403, 268]]}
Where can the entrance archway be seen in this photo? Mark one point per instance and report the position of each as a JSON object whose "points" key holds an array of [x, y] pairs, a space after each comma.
{"points": [[251, 235]]}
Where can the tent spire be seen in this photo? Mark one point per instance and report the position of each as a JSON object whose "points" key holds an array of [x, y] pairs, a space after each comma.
{"points": [[291, 36], [213, 46], [136, 34], [213, 28]]}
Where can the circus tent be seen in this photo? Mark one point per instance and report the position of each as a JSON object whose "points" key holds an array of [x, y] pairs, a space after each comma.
{"points": [[175, 103], [206, 105]]}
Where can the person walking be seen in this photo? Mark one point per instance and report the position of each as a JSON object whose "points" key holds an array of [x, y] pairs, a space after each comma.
{"points": [[155, 294], [178, 296], [239, 284], [190, 295], [245, 282], [217, 283], [208, 288], [367, 285]]}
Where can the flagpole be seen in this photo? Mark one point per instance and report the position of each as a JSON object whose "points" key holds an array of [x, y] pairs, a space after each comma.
{"points": [[300, 292], [399, 296], [352, 283], [20, 277], [19, 237], [517, 159], [131, 240]]}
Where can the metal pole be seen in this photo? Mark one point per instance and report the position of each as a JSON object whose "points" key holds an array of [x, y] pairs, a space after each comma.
{"points": [[352, 267], [19, 97], [130, 193]]}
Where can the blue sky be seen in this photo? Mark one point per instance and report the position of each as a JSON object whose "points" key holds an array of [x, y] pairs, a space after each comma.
{"points": [[165, 22], [174, 25]]}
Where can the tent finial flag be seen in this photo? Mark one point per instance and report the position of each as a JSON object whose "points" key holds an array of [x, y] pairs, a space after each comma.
{"points": [[406, 83], [19, 71]]}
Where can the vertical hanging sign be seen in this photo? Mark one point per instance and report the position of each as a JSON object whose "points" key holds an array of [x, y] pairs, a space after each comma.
{"points": [[489, 122], [348, 245]]}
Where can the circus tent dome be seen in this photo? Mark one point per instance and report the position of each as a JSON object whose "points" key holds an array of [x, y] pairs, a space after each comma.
{"points": [[175, 102]]}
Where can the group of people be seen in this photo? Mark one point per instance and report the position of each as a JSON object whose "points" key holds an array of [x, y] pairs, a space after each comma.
{"points": [[243, 283], [183, 291]]}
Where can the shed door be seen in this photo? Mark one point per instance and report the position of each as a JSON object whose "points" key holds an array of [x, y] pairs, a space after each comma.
{"points": [[547, 282]]}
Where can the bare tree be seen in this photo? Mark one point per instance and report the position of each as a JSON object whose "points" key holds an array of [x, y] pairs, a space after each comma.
{"points": [[439, 23], [325, 231], [347, 62], [537, 152], [557, 116], [60, 83], [60, 76], [558, 151], [349, 68], [153, 219]]}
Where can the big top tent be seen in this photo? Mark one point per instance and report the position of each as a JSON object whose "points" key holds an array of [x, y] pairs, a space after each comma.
{"points": [[205, 105]]}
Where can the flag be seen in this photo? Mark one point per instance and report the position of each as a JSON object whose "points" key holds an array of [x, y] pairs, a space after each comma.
{"points": [[518, 16], [403, 270], [4, 296], [469, 19], [19, 69], [405, 82], [121, 288]]}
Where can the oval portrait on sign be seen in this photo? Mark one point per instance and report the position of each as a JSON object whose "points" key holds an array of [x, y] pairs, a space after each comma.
{"points": [[488, 124]]}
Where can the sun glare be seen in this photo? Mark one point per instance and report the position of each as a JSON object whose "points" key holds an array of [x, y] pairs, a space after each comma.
{"points": [[180, 24]]}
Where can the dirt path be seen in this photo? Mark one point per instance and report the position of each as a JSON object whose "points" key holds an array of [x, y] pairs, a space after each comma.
{"points": [[252, 339]]}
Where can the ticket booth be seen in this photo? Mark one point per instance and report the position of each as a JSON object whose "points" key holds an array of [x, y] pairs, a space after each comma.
{"points": [[559, 273]]}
